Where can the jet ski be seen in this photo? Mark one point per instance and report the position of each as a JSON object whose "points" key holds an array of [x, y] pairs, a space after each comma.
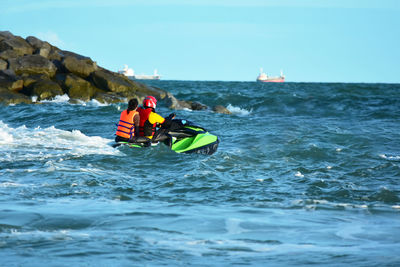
{"points": [[185, 137], [139, 141], [181, 136]]}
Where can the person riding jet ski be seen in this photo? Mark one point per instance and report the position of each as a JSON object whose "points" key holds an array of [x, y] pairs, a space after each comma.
{"points": [[149, 119], [128, 123]]}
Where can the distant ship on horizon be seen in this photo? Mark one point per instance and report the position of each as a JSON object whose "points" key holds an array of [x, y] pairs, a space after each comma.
{"points": [[130, 73], [263, 77]]}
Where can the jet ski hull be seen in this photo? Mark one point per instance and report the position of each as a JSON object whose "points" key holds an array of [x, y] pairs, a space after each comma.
{"points": [[202, 143], [183, 137]]}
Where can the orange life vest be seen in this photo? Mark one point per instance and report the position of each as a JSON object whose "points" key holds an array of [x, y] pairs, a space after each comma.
{"points": [[145, 127], [126, 126]]}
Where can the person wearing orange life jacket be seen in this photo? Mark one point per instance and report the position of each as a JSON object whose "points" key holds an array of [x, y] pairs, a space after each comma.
{"points": [[149, 119], [128, 123]]}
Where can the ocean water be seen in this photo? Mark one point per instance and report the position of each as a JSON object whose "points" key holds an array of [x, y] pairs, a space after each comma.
{"points": [[305, 173]]}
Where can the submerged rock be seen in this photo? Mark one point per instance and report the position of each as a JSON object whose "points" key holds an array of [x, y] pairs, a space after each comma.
{"points": [[221, 109], [197, 106], [174, 103]]}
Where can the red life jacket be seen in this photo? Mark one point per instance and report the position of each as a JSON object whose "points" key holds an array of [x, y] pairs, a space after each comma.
{"points": [[126, 126], [145, 127]]}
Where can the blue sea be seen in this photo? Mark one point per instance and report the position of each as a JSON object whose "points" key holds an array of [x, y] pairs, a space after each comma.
{"points": [[305, 174]]}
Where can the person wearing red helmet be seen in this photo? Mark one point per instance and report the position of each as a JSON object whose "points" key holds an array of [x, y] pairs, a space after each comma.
{"points": [[149, 119]]}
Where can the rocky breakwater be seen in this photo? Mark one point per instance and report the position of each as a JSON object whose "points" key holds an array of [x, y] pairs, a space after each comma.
{"points": [[32, 70]]}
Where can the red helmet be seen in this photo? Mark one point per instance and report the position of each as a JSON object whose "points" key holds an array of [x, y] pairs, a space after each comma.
{"points": [[150, 102]]}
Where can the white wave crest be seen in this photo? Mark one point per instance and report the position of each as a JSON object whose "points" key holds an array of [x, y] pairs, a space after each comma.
{"points": [[5, 134], [394, 158], [65, 99], [238, 110], [10, 184], [23, 143], [93, 103], [313, 203], [299, 174], [58, 99]]}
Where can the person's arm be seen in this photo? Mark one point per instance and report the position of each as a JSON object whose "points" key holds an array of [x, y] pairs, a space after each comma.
{"points": [[155, 118], [136, 122], [164, 123], [169, 123]]}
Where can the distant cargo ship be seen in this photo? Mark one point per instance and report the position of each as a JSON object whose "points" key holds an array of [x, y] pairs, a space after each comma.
{"points": [[128, 72], [262, 77]]}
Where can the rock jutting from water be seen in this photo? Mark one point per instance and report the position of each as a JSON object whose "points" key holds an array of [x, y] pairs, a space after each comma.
{"points": [[34, 69]]}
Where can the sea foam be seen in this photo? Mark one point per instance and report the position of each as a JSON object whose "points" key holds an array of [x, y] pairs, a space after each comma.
{"points": [[58, 99], [5, 134], [64, 99], [28, 144], [238, 110], [93, 103], [394, 158]]}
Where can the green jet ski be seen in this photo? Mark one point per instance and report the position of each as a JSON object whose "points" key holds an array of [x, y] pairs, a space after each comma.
{"points": [[182, 136]]}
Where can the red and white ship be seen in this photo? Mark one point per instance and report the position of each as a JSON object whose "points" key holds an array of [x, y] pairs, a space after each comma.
{"points": [[263, 77]]}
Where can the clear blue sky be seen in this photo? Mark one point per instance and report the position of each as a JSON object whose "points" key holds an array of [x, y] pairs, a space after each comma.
{"points": [[310, 40]]}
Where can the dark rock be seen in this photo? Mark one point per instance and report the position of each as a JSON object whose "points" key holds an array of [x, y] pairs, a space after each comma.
{"points": [[59, 66], [10, 97], [174, 103], [8, 54], [50, 72], [78, 64], [55, 54], [197, 106], [32, 78], [16, 43], [32, 64], [44, 52], [108, 97], [65, 53], [45, 89], [110, 81], [3, 64], [154, 91], [221, 109], [76, 87], [9, 81], [36, 43], [6, 34], [9, 73], [41, 48]]}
